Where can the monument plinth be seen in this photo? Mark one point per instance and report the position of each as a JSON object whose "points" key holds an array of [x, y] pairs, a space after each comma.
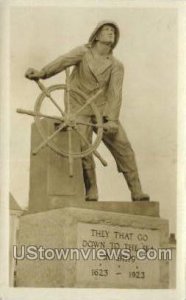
{"points": [[78, 232], [50, 183]]}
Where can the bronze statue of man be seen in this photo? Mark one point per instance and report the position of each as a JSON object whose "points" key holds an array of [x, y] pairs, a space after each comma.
{"points": [[95, 67]]}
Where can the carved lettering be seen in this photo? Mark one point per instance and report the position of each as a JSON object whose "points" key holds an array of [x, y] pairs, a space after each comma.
{"points": [[93, 244], [99, 233]]}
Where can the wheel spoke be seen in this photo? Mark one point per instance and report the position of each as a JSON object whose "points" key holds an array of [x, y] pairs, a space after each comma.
{"points": [[70, 151], [67, 91], [48, 95], [48, 139], [88, 102], [96, 153], [67, 103], [58, 107], [34, 114]]}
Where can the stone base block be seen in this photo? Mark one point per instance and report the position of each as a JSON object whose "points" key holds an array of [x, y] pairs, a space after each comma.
{"points": [[136, 208], [50, 182], [89, 232]]}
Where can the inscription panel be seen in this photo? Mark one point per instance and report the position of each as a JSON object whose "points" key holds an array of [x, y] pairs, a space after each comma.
{"points": [[110, 256]]}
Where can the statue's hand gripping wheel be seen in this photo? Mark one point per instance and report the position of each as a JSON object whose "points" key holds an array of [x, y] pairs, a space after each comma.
{"points": [[67, 120]]}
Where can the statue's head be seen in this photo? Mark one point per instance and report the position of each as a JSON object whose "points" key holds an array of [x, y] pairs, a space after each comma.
{"points": [[107, 32]]}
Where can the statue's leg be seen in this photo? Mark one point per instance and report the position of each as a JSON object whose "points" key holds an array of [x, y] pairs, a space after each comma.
{"points": [[124, 156], [88, 164]]}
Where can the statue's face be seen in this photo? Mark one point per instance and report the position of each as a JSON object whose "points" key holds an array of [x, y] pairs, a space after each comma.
{"points": [[106, 34]]}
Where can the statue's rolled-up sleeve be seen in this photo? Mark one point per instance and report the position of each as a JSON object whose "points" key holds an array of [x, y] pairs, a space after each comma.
{"points": [[114, 93], [62, 62]]}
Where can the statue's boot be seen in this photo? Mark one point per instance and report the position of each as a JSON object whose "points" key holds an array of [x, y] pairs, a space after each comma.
{"points": [[134, 185], [90, 185]]}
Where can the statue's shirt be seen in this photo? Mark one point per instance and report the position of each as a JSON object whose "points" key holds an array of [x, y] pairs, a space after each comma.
{"points": [[90, 73]]}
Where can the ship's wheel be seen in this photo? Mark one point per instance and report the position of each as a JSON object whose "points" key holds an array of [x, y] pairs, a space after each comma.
{"points": [[67, 120]]}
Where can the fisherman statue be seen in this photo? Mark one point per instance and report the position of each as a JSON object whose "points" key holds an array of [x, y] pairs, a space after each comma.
{"points": [[94, 68]]}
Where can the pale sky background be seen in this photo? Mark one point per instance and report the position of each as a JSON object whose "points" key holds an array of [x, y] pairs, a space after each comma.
{"points": [[148, 49]]}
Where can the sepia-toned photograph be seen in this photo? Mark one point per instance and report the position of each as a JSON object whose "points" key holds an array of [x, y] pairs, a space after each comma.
{"points": [[93, 149]]}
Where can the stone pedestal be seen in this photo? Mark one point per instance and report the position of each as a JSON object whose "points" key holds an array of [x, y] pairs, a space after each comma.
{"points": [[81, 229], [50, 183]]}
